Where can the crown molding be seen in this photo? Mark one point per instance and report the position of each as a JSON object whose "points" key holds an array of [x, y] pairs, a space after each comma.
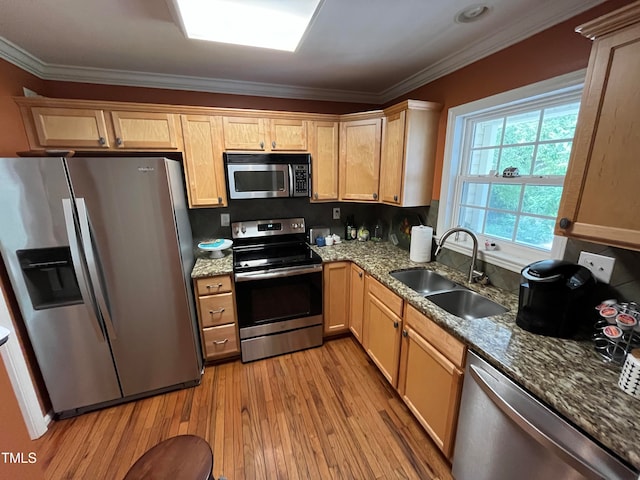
{"points": [[484, 47]]}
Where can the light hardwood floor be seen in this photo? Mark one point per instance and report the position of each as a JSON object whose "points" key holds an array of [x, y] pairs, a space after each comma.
{"points": [[320, 413]]}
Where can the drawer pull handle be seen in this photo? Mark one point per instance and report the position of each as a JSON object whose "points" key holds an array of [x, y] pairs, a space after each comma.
{"points": [[214, 286], [220, 342], [220, 310]]}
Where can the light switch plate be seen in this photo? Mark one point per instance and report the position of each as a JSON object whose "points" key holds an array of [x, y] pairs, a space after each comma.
{"points": [[224, 219], [336, 213], [600, 266]]}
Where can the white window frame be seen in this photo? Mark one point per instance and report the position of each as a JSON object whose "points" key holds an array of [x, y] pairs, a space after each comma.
{"points": [[508, 256]]}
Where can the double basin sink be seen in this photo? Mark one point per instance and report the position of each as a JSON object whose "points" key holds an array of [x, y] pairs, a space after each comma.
{"points": [[450, 296]]}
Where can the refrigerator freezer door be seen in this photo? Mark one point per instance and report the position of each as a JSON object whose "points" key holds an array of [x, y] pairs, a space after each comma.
{"points": [[74, 357], [130, 213]]}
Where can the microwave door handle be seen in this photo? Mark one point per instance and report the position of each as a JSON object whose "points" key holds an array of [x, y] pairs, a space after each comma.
{"points": [[90, 255], [79, 269], [292, 193]]}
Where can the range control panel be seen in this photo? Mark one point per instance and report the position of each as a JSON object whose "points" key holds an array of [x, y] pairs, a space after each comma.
{"points": [[264, 228]]}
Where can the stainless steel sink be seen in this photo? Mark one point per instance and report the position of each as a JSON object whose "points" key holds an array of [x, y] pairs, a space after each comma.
{"points": [[423, 281], [466, 304]]}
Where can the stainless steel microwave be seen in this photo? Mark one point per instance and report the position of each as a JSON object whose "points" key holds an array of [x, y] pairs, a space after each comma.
{"points": [[268, 175]]}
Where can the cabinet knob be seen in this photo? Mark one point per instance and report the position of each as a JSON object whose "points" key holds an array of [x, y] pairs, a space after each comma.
{"points": [[405, 333], [395, 198], [219, 199], [118, 141], [375, 196], [315, 195], [262, 145], [273, 144], [102, 141], [396, 324], [360, 274], [565, 222]]}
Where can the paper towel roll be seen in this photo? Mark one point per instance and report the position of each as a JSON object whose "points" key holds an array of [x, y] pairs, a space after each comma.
{"points": [[421, 240]]}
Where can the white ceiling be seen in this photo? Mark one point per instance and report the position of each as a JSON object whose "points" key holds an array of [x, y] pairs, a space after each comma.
{"points": [[367, 51]]}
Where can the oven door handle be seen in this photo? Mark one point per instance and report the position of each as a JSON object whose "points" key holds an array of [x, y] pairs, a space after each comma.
{"points": [[276, 273]]}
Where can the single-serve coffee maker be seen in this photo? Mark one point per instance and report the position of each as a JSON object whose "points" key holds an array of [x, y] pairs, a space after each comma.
{"points": [[554, 298]]}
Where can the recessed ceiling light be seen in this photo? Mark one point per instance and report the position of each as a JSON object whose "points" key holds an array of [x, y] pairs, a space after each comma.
{"points": [[276, 24], [472, 13]]}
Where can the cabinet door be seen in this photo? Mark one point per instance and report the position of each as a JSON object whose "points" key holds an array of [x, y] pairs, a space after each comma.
{"points": [[431, 387], [356, 296], [204, 169], [382, 337], [244, 133], [288, 135], [599, 197], [323, 145], [70, 127], [360, 159], [392, 160], [336, 297], [145, 130]]}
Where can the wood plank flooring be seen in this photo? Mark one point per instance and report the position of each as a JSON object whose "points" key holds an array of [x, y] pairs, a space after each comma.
{"points": [[320, 413]]}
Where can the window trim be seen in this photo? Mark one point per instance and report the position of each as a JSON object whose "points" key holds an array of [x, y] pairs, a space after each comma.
{"points": [[514, 258]]}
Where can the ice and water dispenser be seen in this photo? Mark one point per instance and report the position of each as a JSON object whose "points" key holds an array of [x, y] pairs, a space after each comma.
{"points": [[49, 276]]}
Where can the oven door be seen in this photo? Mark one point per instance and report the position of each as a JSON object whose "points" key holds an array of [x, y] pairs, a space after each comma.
{"points": [[268, 297], [258, 180]]}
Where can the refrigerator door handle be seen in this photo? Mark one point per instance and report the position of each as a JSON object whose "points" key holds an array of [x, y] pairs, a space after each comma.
{"points": [[79, 270], [89, 253]]}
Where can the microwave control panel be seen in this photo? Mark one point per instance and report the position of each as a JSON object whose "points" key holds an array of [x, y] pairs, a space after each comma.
{"points": [[300, 180]]}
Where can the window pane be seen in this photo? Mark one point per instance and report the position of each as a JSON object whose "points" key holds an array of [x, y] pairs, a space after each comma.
{"points": [[505, 197], [471, 218], [500, 224], [488, 133], [559, 122], [552, 159], [483, 161], [519, 157], [537, 232], [522, 128], [475, 194], [541, 199]]}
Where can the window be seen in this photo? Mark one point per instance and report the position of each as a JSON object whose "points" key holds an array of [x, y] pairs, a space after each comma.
{"points": [[505, 161]]}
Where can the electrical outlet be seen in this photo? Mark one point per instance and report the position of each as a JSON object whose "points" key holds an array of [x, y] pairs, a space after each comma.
{"points": [[224, 219], [336, 213], [600, 266]]}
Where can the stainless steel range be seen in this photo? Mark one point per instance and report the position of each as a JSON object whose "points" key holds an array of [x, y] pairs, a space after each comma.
{"points": [[278, 288]]}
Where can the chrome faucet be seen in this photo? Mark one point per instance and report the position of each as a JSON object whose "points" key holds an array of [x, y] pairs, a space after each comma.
{"points": [[474, 275]]}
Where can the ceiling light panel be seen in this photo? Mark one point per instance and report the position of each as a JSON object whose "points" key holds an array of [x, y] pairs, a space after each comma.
{"points": [[275, 24]]}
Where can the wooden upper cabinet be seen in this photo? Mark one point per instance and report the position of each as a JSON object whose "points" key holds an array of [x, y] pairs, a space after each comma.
{"points": [[145, 130], [67, 127], [323, 145], [360, 159], [598, 201], [263, 134], [409, 136], [204, 169]]}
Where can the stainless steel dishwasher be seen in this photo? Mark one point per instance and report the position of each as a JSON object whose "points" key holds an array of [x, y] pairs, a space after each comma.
{"points": [[504, 433]]}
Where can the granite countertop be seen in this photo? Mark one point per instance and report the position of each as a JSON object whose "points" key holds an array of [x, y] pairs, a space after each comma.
{"points": [[568, 375]]}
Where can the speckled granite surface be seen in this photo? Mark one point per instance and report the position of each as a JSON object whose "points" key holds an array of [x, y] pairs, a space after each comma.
{"points": [[566, 374]]}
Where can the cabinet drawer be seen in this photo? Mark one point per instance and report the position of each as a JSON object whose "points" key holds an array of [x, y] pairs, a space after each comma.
{"points": [[219, 341], [448, 345], [213, 285], [217, 309], [386, 296]]}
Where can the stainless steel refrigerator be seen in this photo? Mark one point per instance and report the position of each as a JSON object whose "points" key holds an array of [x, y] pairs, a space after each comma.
{"points": [[99, 253]]}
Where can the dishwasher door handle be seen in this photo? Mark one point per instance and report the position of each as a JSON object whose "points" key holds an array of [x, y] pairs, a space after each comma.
{"points": [[484, 381]]}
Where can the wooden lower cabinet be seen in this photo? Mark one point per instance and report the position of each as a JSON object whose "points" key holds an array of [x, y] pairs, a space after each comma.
{"points": [[430, 379], [381, 328], [356, 301], [217, 317], [336, 297]]}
